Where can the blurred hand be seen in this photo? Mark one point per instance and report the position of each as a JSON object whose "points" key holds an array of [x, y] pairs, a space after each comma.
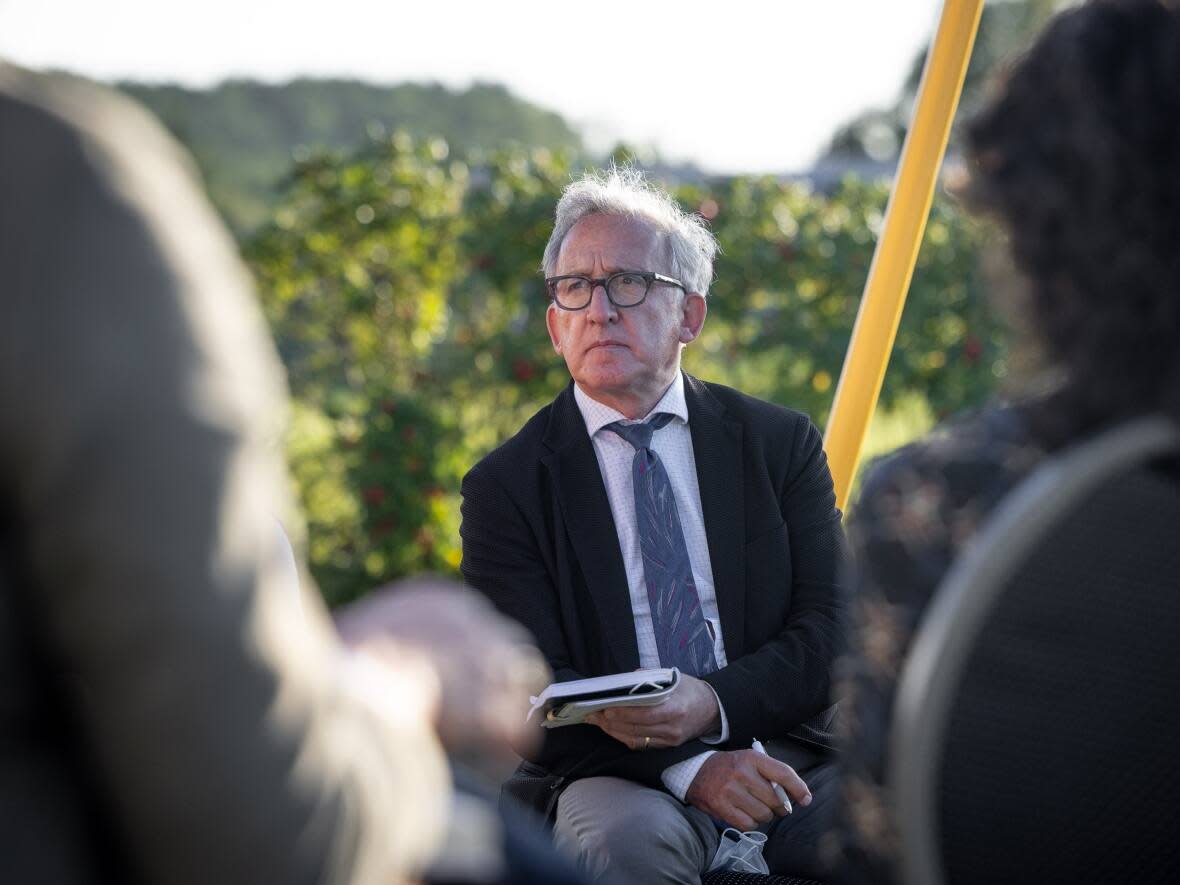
{"points": [[486, 665], [735, 786], [688, 712]]}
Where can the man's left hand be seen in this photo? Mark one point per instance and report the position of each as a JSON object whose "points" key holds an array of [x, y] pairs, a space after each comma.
{"points": [[690, 711], [738, 787]]}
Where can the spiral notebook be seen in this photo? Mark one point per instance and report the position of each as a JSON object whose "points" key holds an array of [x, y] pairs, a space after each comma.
{"points": [[569, 703]]}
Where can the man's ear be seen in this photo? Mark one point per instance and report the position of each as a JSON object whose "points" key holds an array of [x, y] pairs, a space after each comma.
{"points": [[551, 325], [692, 318]]}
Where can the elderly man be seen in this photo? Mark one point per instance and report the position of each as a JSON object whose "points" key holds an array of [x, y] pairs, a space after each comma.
{"points": [[645, 518]]}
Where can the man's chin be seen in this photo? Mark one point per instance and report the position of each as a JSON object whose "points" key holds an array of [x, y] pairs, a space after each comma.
{"points": [[602, 386], [606, 372]]}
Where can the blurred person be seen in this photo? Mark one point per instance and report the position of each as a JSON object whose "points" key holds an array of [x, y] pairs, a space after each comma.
{"points": [[640, 492], [1078, 156], [166, 714], [289, 565]]}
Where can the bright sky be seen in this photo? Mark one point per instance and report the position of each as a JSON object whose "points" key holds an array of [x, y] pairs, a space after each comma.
{"points": [[735, 85]]}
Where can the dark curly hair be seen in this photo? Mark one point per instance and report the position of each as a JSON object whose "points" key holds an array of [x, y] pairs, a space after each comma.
{"points": [[1079, 157]]}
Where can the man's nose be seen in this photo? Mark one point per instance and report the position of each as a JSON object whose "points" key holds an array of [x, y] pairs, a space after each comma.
{"points": [[600, 309]]}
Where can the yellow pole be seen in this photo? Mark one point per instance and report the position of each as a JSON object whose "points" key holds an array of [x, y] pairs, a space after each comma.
{"points": [[901, 235]]}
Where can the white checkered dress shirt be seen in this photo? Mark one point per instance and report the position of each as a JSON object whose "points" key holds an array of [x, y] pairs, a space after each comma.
{"points": [[673, 443]]}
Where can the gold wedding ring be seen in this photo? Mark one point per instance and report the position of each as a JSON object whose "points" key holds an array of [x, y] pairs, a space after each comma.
{"points": [[647, 742]]}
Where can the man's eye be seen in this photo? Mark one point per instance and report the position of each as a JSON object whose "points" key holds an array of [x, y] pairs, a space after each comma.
{"points": [[576, 285], [630, 279]]}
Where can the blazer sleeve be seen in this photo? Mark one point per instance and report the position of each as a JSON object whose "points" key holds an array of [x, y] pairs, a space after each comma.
{"points": [[509, 556], [797, 660]]}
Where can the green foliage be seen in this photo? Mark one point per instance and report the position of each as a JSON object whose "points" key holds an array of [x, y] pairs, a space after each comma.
{"points": [[403, 286], [789, 282], [358, 262], [374, 490], [244, 133]]}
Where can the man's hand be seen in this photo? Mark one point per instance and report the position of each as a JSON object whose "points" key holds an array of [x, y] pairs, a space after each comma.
{"points": [[688, 712], [485, 665], [735, 786]]}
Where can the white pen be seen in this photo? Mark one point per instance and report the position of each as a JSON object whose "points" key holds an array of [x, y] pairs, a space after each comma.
{"points": [[778, 788]]}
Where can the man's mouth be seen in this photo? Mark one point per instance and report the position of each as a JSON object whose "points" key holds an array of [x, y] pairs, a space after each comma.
{"points": [[607, 343]]}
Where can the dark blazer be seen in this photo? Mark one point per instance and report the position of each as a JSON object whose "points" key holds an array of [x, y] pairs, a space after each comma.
{"points": [[540, 541]]}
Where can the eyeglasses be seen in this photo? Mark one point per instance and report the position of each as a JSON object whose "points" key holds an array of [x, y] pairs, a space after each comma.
{"points": [[627, 288]]}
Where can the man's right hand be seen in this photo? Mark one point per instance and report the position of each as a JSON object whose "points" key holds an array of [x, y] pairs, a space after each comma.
{"points": [[736, 786]]}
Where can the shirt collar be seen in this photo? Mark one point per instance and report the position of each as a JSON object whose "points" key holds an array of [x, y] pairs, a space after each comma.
{"points": [[597, 416]]}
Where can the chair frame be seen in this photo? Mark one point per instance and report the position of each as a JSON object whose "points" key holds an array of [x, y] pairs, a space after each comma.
{"points": [[966, 596]]}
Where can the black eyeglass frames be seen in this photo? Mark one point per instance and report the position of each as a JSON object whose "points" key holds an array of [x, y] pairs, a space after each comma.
{"points": [[625, 288]]}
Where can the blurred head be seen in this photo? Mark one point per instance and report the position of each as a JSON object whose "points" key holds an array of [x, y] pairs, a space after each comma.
{"points": [[1079, 157], [624, 349]]}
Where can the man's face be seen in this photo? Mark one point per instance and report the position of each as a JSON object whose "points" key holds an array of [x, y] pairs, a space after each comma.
{"points": [[622, 357]]}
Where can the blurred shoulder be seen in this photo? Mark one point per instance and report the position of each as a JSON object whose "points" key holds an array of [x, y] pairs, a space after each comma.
{"points": [[948, 481], [117, 134]]}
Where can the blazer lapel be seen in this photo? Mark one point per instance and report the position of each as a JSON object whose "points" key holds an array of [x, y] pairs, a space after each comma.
{"points": [[573, 469], [717, 449]]}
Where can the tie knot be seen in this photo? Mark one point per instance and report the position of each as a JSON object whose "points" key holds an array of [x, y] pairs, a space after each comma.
{"points": [[639, 435]]}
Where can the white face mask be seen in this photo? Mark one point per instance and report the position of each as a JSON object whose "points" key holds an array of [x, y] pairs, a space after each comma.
{"points": [[740, 852]]}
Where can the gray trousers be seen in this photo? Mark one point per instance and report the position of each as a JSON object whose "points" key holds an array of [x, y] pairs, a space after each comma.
{"points": [[630, 833]]}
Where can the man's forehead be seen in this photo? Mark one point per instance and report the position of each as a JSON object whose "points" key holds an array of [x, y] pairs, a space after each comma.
{"points": [[614, 240]]}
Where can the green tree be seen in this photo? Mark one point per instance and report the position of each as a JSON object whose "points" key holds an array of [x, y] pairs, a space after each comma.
{"points": [[789, 281], [355, 268], [244, 133]]}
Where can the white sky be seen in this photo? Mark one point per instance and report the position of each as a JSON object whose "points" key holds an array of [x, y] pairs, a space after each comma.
{"points": [[734, 85]]}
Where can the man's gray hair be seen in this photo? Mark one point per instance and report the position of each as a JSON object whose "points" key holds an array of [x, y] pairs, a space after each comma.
{"points": [[625, 191]]}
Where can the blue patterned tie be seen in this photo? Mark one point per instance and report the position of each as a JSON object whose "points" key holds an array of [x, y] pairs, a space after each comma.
{"points": [[681, 635]]}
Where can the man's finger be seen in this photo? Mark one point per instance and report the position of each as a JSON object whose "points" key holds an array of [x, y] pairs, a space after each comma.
{"points": [[758, 810], [782, 774], [761, 790], [736, 817], [635, 716], [628, 739]]}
